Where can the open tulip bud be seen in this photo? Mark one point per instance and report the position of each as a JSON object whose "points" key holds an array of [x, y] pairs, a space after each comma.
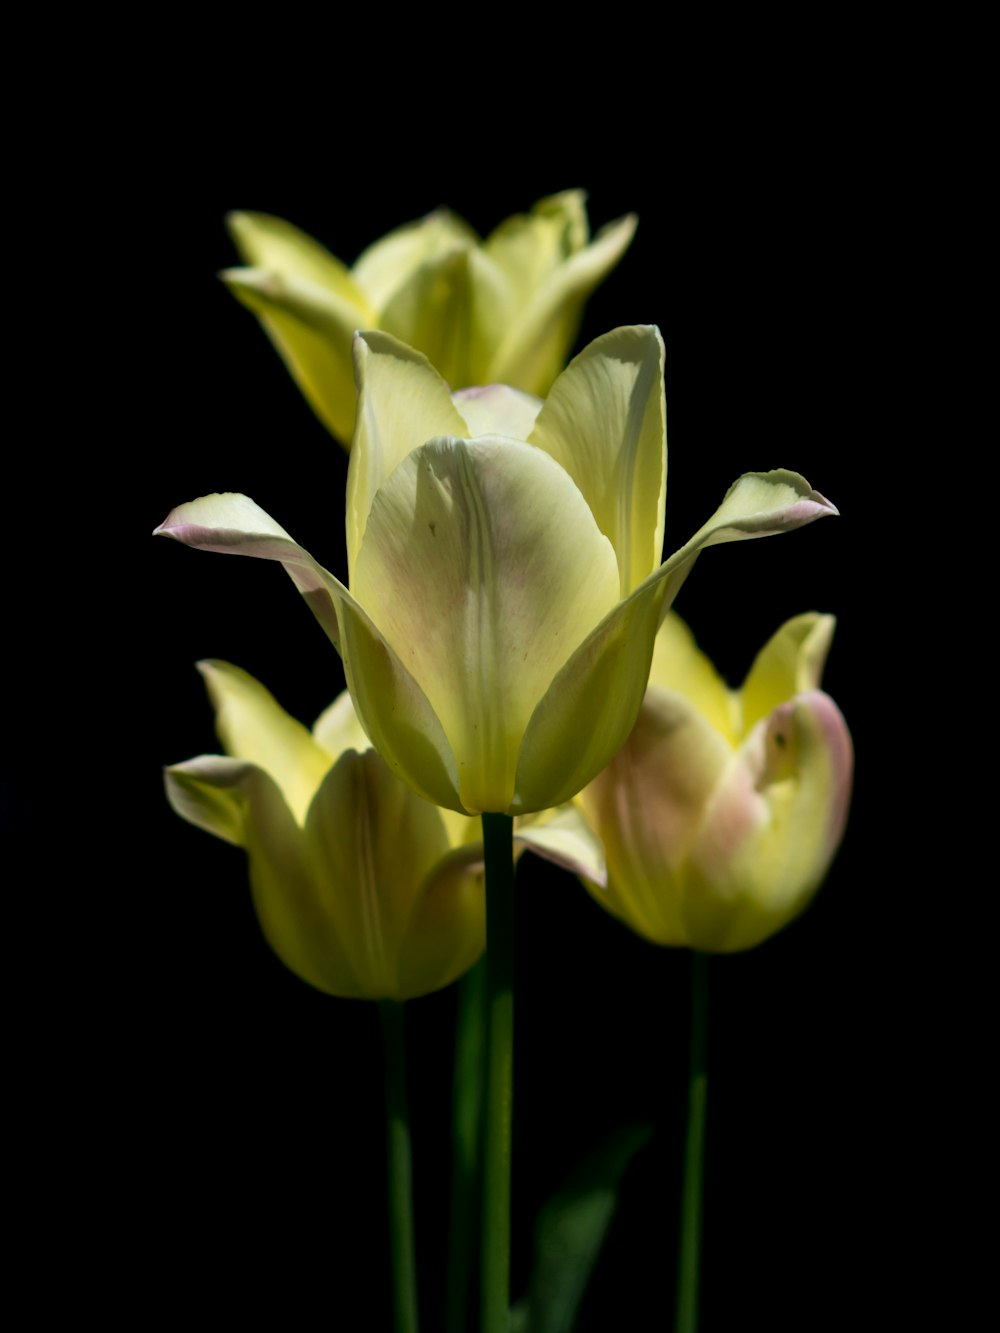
{"points": [[506, 582], [721, 814], [361, 888], [504, 310]]}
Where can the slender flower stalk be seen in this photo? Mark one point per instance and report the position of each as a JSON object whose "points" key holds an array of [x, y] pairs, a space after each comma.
{"points": [[466, 1143], [689, 1252], [399, 1169], [495, 1272]]}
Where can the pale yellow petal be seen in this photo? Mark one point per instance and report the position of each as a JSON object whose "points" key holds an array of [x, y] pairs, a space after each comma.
{"points": [[402, 403], [484, 569], [791, 662], [312, 328], [592, 703], [206, 792], [680, 667], [253, 726], [647, 806], [528, 247], [370, 843], [432, 311], [772, 827], [385, 265], [605, 423], [539, 339], [392, 708], [269, 242]]}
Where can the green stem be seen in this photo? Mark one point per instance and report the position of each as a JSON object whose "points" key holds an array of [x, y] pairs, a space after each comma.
{"points": [[689, 1256], [495, 1272], [399, 1169], [466, 1117]]}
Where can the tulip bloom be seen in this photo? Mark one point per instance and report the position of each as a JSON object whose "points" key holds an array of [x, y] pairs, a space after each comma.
{"points": [[505, 310], [504, 559], [723, 810], [361, 888]]}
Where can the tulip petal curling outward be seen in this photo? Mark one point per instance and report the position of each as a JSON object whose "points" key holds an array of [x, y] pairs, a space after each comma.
{"points": [[721, 814], [503, 310], [505, 576], [362, 888]]}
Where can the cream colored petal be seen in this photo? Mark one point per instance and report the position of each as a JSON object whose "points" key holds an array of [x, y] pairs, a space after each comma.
{"points": [[384, 266], [528, 247], [563, 837], [268, 242], [253, 726], [791, 662], [680, 667], [647, 807], [312, 328], [402, 403], [484, 569], [605, 422], [233, 524], [772, 827], [497, 409], [393, 709], [338, 729], [758, 504], [538, 341]]}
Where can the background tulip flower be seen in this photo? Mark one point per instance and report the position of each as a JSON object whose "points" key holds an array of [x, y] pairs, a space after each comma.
{"points": [[504, 310], [361, 888], [506, 582], [723, 810]]}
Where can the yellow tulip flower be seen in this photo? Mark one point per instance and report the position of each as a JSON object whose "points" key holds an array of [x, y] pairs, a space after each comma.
{"points": [[720, 815], [362, 888], [505, 310], [505, 568]]}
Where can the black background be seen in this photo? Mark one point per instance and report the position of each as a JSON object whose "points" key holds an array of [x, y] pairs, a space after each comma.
{"points": [[246, 1108]]}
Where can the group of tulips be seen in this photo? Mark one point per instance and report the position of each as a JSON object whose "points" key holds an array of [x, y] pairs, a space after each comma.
{"points": [[506, 635]]}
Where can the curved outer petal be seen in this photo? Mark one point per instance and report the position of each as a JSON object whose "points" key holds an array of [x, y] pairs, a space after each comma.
{"points": [[393, 709], [538, 341], [772, 827], [791, 662], [268, 242], [680, 667], [647, 807], [207, 793], [383, 268], [606, 677], [402, 403], [312, 328], [293, 914], [254, 727], [366, 901], [484, 569], [605, 422], [380, 857]]}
